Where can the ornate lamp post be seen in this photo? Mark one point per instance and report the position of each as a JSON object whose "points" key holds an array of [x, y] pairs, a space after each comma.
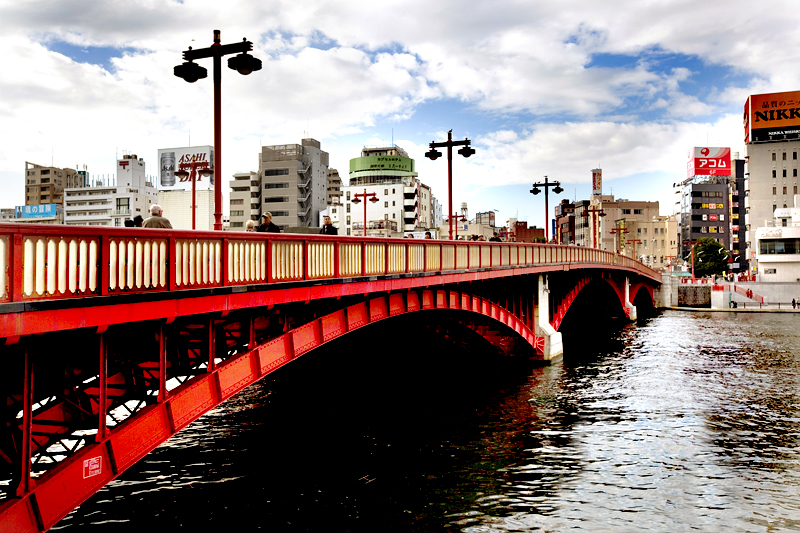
{"points": [[372, 198], [433, 154], [595, 213], [620, 232], [558, 190], [244, 63], [634, 242], [195, 168]]}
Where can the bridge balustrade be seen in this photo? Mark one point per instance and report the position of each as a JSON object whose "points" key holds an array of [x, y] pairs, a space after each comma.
{"points": [[53, 262]]}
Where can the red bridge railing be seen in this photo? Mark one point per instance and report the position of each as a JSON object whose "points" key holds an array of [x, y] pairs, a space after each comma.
{"points": [[40, 262]]}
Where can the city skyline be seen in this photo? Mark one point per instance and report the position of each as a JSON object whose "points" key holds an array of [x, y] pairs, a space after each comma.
{"points": [[539, 89]]}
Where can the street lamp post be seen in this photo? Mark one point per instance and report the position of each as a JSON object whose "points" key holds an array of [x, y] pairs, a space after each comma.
{"points": [[194, 169], [634, 242], [558, 190], [620, 232], [244, 63], [595, 213], [372, 198], [433, 154]]}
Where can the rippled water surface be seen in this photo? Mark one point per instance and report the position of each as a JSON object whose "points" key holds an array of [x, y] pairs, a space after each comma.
{"points": [[683, 422]]}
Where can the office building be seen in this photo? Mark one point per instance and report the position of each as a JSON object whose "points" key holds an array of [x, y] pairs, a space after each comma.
{"points": [[45, 185]]}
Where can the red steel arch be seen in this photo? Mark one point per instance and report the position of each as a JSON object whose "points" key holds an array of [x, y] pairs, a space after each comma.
{"points": [[60, 490]]}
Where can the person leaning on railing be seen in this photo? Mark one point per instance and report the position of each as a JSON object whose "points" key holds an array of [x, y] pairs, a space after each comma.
{"points": [[156, 219]]}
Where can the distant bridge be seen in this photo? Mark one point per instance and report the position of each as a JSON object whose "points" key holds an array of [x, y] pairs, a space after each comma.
{"points": [[116, 339]]}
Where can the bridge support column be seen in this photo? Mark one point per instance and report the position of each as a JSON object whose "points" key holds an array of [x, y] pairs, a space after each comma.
{"points": [[630, 309], [553, 347]]}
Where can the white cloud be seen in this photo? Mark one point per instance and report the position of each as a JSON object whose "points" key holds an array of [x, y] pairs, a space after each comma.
{"points": [[508, 61]]}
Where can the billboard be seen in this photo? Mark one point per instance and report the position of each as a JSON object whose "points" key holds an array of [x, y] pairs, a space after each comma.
{"points": [[181, 159], [36, 211], [709, 161], [597, 181], [774, 116]]}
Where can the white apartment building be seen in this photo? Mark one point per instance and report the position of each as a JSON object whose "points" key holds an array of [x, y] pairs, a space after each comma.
{"points": [[390, 174], [778, 246], [99, 203], [771, 180]]}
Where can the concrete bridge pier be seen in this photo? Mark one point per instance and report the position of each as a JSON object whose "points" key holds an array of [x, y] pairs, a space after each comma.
{"points": [[630, 309], [553, 346]]}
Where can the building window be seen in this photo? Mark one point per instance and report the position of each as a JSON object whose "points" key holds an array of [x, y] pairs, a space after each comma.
{"points": [[237, 201], [795, 190], [237, 224], [784, 156], [639, 212], [385, 204], [774, 156], [784, 190], [386, 191], [794, 174], [237, 213], [276, 172], [774, 172], [784, 172], [275, 199], [348, 208], [348, 196], [276, 185], [626, 211], [348, 231], [348, 222], [774, 191]]}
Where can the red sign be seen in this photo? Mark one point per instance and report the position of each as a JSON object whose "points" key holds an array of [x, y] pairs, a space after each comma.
{"points": [[92, 467], [712, 217], [124, 164], [705, 161]]}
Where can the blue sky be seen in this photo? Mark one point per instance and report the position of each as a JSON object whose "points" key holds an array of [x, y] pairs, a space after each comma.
{"points": [[540, 88]]}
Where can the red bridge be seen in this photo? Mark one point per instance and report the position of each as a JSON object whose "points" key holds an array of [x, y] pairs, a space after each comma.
{"points": [[113, 340]]}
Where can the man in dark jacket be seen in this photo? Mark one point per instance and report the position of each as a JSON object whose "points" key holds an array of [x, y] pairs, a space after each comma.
{"points": [[156, 219], [266, 224], [327, 227]]}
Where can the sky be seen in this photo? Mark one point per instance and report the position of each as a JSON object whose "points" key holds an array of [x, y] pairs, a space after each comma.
{"points": [[541, 88]]}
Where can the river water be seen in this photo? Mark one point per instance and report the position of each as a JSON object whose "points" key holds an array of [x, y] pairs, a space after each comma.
{"points": [[686, 421]]}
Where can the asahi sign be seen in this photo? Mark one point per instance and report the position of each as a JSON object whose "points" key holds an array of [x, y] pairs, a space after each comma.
{"points": [[192, 160], [771, 117]]}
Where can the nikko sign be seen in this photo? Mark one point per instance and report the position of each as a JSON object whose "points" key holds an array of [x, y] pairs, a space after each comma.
{"points": [[709, 161], [181, 159], [774, 116]]}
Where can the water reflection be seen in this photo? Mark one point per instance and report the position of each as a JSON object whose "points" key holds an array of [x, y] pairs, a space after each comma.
{"points": [[684, 421]]}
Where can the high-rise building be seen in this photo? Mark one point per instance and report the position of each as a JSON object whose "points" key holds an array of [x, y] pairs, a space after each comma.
{"points": [[110, 203], [772, 139], [45, 185]]}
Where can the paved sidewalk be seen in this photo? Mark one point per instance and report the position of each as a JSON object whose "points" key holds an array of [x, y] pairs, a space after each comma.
{"points": [[755, 309]]}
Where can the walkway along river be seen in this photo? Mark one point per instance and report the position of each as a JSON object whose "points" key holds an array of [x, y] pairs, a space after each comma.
{"points": [[683, 421]]}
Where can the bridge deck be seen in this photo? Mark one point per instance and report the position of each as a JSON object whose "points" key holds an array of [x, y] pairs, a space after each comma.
{"points": [[67, 276]]}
